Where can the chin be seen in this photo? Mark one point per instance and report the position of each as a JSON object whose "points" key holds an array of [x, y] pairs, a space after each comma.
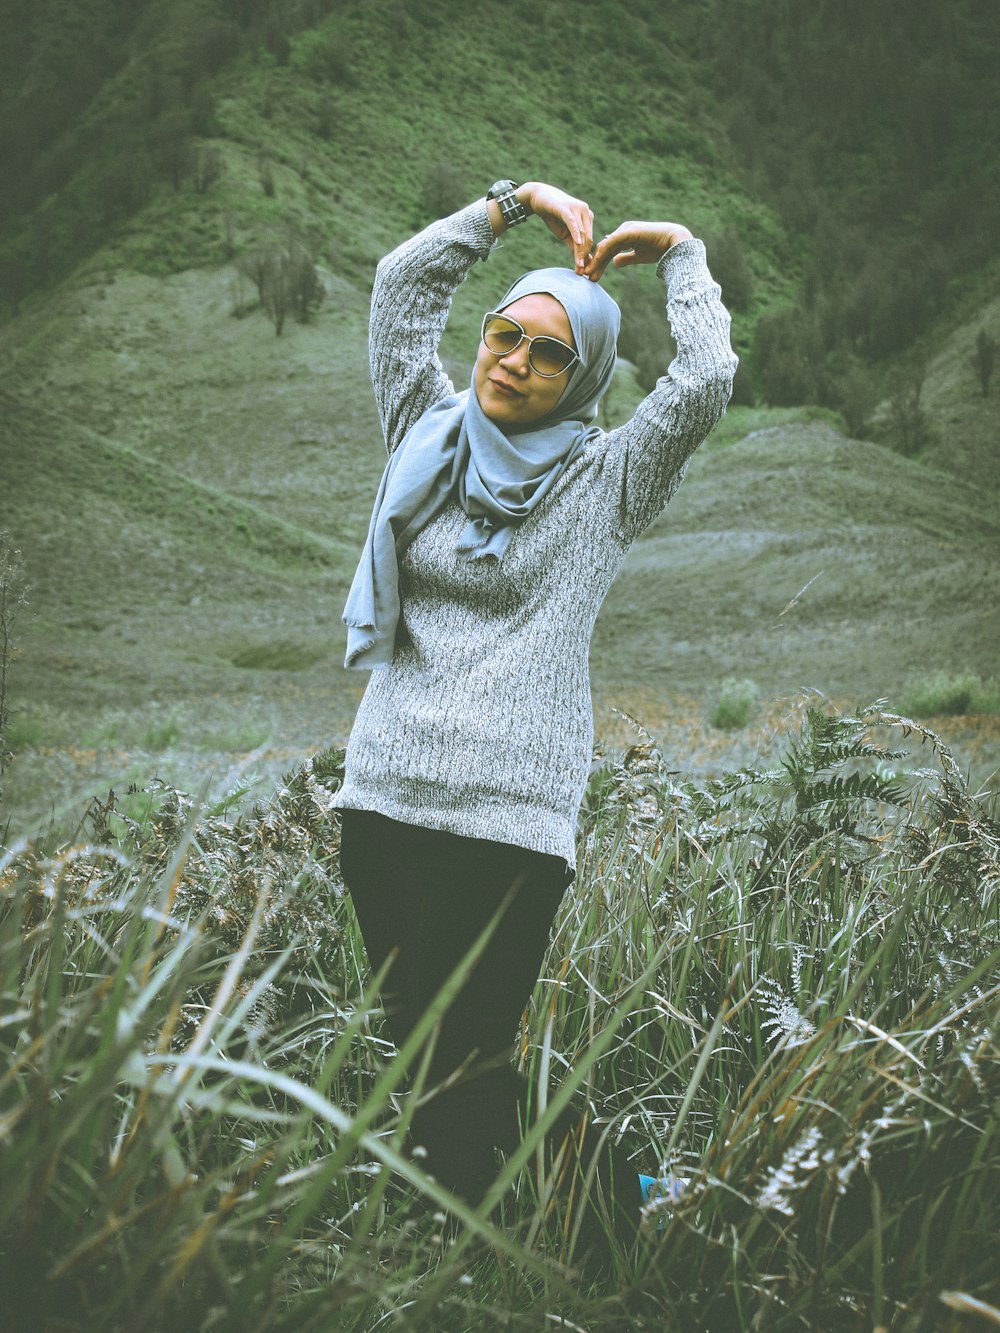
{"points": [[502, 410]]}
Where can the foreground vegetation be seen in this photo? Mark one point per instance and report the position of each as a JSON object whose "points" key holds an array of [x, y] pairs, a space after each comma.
{"points": [[782, 985]]}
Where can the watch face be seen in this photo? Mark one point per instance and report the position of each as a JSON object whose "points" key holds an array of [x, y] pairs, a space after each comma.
{"points": [[501, 187]]}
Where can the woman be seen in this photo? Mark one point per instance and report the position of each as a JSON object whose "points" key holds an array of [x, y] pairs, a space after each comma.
{"points": [[502, 517]]}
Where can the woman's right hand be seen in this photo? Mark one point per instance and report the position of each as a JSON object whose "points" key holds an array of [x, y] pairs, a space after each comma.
{"points": [[568, 218]]}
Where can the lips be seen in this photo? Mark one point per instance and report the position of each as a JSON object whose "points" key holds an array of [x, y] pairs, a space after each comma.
{"points": [[505, 390]]}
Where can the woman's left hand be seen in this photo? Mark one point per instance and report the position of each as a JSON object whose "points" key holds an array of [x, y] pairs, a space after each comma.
{"points": [[634, 243]]}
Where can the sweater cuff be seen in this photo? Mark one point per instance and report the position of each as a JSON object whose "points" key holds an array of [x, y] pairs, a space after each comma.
{"points": [[684, 268], [475, 220]]}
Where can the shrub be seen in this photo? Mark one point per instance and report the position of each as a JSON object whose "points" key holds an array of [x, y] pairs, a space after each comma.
{"points": [[645, 338], [986, 350], [944, 694], [162, 732], [13, 600], [734, 704], [731, 269]]}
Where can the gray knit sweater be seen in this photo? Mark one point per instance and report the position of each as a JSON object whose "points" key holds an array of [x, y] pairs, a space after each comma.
{"points": [[482, 724]]}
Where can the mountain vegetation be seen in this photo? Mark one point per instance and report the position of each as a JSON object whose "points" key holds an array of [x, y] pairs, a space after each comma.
{"points": [[862, 126]]}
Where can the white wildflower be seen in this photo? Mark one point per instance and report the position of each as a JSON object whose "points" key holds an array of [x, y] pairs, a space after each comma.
{"points": [[794, 1172]]}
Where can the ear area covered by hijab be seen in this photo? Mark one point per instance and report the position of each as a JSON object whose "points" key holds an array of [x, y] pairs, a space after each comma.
{"points": [[498, 477]]}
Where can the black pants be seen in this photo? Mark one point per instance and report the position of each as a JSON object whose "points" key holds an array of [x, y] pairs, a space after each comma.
{"points": [[428, 895]]}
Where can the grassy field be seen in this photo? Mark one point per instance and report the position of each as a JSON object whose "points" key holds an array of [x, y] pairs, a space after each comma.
{"points": [[782, 986]]}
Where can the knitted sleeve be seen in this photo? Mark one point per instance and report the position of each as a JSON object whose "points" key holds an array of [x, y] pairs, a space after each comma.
{"points": [[644, 460], [411, 298]]}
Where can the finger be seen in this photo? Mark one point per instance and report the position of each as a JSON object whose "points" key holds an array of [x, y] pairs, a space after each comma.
{"points": [[624, 257], [578, 246], [587, 241], [601, 258], [581, 238], [595, 268]]}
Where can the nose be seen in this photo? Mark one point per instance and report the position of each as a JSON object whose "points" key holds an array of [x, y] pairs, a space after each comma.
{"points": [[516, 362]]}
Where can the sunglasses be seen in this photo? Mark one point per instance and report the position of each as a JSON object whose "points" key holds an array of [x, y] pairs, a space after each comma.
{"points": [[547, 356]]}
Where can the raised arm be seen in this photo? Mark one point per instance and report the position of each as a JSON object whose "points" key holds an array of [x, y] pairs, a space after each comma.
{"points": [[644, 460], [411, 298]]}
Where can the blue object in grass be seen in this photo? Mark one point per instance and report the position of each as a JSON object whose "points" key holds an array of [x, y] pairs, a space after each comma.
{"points": [[657, 1189]]}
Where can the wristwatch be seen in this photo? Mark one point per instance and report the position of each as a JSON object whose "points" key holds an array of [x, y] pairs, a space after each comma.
{"points": [[511, 207]]}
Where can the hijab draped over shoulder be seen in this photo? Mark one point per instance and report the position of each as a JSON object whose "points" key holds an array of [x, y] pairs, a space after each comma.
{"points": [[497, 476]]}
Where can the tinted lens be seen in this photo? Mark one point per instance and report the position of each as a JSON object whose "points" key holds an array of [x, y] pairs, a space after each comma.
{"points": [[501, 335], [546, 356], [549, 356]]}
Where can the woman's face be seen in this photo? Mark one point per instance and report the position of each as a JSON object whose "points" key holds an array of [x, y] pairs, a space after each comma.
{"points": [[509, 391]]}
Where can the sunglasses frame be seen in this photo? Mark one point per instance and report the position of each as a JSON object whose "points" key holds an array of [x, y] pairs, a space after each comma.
{"points": [[539, 337]]}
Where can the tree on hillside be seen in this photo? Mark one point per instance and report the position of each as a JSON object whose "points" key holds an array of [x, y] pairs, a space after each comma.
{"points": [[445, 189], [305, 289], [786, 357], [286, 280], [171, 147], [730, 268], [124, 182], [986, 350], [276, 40], [326, 116], [645, 338], [265, 175], [209, 166], [862, 122], [849, 387], [907, 419]]}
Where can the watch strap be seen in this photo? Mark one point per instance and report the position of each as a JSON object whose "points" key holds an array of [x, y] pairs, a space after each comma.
{"points": [[513, 211]]}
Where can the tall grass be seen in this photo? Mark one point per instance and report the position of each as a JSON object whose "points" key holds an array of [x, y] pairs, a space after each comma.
{"points": [[782, 985]]}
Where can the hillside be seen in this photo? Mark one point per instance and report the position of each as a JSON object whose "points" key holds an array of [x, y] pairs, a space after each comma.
{"points": [[189, 491], [179, 625], [798, 557]]}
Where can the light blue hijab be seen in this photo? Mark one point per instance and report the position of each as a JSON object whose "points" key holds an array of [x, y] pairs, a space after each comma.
{"points": [[497, 476]]}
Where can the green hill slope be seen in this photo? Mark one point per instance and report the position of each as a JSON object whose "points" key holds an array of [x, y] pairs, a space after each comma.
{"points": [[139, 574], [902, 566]]}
